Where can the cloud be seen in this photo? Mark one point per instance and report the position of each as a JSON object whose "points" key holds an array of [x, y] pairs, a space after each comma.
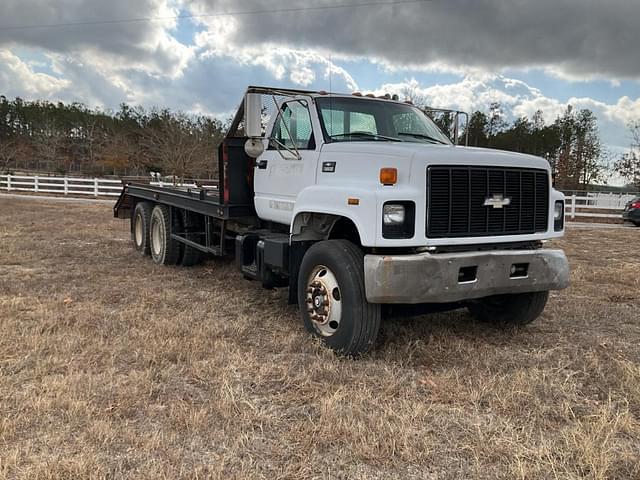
{"points": [[19, 79], [146, 46], [299, 66], [576, 39]]}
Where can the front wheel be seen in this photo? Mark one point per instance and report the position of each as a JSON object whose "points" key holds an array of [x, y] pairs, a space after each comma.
{"points": [[513, 309], [332, 299]]}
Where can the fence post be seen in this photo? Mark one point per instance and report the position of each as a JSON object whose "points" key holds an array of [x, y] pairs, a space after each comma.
{"points": [[8, 182], [35, 183], [573, 206], [66, 186], [95, 187]]}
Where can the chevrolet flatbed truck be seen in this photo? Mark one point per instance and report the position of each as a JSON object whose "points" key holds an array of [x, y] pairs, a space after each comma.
{"points": [[355, 203]]}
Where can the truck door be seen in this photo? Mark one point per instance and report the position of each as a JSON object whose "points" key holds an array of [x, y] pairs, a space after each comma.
{"points": [[288, 164]]}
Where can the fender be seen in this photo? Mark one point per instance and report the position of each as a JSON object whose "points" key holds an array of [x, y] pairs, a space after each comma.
{"points": [[332, 200]]}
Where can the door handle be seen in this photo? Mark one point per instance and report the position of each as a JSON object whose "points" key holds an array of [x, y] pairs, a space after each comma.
{"points": [[262, 164]]}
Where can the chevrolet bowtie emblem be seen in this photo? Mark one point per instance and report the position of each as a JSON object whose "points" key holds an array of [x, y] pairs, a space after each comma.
{"points": [[496, 201]]}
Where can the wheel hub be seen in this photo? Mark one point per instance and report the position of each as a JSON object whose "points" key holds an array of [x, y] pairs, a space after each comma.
{"points": [[323, 301], [318, 302]]}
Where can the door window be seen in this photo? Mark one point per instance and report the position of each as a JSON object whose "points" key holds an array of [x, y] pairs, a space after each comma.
{"points": [[293, 127]]}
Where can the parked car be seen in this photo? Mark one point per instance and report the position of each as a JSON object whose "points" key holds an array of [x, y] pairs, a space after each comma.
{"points": [[632, 212]]}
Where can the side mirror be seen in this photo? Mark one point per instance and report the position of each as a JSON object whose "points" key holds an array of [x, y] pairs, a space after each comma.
{"points": [[253, 115], [254, 147]]}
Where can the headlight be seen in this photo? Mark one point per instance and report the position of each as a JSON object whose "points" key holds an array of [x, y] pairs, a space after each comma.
{"points": [[398, 219], [558, 211], [558, 216], [393, 214]]}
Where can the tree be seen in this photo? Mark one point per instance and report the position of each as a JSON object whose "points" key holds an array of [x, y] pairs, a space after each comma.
{"points": [[580, 157], [180, 144], [496, 121], [11, 149], [411, 92], [590, 158], [445, 122], [628, 166], [51, 143], [477, 129]]}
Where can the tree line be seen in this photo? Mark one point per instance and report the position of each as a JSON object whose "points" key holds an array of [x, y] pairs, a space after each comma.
{"points": [[72, 138]]}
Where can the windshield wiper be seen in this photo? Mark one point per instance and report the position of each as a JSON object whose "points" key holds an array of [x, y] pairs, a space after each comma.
{"points": [[421, 135], [374, 136]]}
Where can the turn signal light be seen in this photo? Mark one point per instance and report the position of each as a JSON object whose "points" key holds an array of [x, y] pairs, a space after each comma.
{"points": [[388, 176]]}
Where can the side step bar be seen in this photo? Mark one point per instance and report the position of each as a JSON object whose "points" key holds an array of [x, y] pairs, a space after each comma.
{"points": [[197, 246]]}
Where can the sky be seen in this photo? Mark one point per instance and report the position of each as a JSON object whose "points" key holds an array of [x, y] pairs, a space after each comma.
{"points": [[199, 56]]}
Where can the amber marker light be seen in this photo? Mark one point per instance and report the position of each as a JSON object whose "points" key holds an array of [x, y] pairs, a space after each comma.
{"points": [[388, 176]]}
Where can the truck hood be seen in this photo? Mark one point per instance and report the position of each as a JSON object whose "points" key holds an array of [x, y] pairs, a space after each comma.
{"points": [[432, 154]]}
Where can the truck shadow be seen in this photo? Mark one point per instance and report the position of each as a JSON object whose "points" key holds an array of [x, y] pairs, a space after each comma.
{"points": [[445, 338]]}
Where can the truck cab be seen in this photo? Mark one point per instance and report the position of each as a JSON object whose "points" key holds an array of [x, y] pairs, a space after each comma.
{"points": [[354, 202]]}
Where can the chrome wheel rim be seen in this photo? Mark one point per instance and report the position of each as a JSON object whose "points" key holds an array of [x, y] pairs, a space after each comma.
{"points": [[137, 230], [324, 300], [157, 237]]}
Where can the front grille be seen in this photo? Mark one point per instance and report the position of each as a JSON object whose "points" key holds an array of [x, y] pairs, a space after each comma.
{"points": [[456, 197]]}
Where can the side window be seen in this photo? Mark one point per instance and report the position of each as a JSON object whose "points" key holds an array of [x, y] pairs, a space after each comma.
{"points": [[293, 126]]}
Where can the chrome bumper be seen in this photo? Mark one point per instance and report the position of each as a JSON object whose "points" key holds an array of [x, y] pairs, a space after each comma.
{"points": [[437, 278]]}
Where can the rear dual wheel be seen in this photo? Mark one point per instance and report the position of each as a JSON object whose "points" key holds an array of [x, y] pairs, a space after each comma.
{"points": [[190, 226], [151, 228], [164, 249], [140, 227]]}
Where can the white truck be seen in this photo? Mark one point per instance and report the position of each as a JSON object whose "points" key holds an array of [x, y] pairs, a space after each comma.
{"points": [[356, 202]]}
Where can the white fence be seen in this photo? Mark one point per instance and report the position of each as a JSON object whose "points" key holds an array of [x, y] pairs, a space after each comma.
{"points": [[598, 205], [97, 187]]}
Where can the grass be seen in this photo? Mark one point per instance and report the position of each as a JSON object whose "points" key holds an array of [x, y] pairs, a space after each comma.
{"points": [[113, 367]]}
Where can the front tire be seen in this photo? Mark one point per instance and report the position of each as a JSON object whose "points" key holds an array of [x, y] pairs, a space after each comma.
{"points": [[514, 309], [332, 299], [164, 250]]}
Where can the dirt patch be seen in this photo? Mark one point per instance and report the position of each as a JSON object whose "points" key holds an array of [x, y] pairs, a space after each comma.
{"points": [[111, 366]]}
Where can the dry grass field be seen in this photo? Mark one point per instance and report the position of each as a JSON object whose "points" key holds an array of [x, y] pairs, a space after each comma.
{"points": [[112, 367]]}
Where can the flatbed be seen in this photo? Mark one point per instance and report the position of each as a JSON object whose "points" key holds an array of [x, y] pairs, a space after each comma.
{"points": [[202, 200]]}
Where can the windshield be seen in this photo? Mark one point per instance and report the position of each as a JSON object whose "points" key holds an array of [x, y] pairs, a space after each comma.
{"points": [[357, 119]]}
